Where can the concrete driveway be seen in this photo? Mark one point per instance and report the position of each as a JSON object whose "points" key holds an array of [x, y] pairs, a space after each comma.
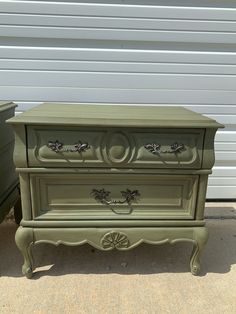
{"points": [[148, 279]]}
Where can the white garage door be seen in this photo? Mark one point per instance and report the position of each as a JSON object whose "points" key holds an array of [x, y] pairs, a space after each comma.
{"points": [[173, 52]]}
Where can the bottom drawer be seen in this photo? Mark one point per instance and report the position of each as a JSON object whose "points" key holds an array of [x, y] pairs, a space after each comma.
{"points": [[113, 196]]}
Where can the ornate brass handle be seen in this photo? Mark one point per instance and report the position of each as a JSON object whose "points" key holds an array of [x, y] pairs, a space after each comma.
{"points": [[57, 147], [103, 197], [156, 148]]}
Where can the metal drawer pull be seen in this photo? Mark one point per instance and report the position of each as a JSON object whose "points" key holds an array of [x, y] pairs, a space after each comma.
{"points": [[59, 147], [156, 148], [103, 197]]}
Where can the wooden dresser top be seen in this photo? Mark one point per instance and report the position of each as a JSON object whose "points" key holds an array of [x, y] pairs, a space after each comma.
{"points": [[115, 116]]}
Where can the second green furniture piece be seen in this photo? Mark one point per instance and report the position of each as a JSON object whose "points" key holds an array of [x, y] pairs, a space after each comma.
{"points": [[113, 176], [9, 183]]}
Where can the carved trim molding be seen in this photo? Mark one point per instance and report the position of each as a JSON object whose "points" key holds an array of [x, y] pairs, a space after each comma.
{"points": [[26, 237]]}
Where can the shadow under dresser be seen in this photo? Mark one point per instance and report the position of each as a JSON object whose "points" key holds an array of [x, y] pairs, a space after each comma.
{"points": [[113, 176]]}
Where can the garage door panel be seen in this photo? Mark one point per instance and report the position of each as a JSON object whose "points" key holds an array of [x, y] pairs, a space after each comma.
{"points": [[151, 96], [220, 192], [226, 147], [149, 9], [52, 49], [224, 171], [213, 109], [226, 136], [223, 118], [120, 81], [116, 67], [225, 181], [116, 22], [173, 52]]}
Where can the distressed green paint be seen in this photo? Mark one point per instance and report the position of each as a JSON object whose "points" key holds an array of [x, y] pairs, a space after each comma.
{"points": [[161, 154], [8, 178]]}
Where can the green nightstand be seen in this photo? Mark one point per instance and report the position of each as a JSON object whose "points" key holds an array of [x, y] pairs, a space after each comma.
{"points": [[9, 183], [113, 176]]}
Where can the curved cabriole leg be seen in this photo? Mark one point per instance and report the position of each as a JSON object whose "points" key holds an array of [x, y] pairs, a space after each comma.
{"points": [[24, 240], [200, 238]]}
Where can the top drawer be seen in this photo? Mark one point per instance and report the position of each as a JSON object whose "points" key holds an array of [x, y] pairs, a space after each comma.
{"points": [[109, 147]]}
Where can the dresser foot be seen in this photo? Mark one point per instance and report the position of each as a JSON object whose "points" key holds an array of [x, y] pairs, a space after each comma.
{"points": [[200, 238], [24, 240]]}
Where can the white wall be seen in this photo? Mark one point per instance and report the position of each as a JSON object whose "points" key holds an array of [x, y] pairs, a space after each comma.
{"points": [[163, 52]]}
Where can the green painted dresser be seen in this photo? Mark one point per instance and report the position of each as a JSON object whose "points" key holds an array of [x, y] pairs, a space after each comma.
{"points": [[9, 190], [113, 176]]}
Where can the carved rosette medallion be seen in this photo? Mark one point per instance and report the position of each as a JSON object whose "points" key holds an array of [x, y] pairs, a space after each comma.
{"points": [[115, 240]]}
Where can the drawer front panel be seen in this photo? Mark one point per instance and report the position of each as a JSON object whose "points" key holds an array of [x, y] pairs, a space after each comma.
{"points": [[172, 149], [63, 153], [132, 148], [108, 196]]}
